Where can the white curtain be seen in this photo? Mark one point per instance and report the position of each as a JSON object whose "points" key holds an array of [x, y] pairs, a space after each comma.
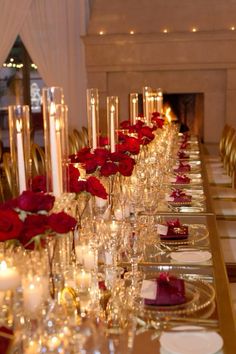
{"points": [[12, 16], [51, 34]]}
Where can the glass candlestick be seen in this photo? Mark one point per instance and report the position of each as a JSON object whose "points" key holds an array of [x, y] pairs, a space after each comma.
{"points": [[112, 121], [93, 117], [19, 132], [146, 102], [56, 140], [159, 101], [133, 106]]}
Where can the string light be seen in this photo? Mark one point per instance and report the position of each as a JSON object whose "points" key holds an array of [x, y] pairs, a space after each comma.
{"points": [[101, 33], [165, 30], [194, 29], [131, 32], [11, 64], [232, 28]]}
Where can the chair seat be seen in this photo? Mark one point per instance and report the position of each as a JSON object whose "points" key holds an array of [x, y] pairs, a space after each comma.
{"points": [[224, 207], [219, 179], [222, 192], [226, 228], [228, 246]]}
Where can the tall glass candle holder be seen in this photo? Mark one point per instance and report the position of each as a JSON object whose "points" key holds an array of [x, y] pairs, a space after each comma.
{"points": [[159, 101], [19, 133], [112, 121], [133, 106], [93, 117], [56, 140], [146, 103]]}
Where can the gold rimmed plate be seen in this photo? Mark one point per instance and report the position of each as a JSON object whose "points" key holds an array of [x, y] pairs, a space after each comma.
{"points": [[196, 233], [200, 296]]}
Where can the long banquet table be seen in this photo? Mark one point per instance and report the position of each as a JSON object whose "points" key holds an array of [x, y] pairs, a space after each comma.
{"points": [[213, 271]]}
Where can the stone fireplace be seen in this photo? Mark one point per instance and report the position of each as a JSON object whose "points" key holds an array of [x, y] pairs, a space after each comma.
{"points": [[180, 61]]}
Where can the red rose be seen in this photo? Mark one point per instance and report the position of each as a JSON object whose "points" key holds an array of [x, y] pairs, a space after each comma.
{"points": [[117, 156], [132, 145], [61, 222], [146, 135], [90, 164], [10, 225], [33, 202], [101, 153], [108, 169], [138, 125], [39, 184], [81, 155], [125, 124], [34, 225], [103, 140], [158, 121], [126, 166], [95, 187], [75, 185]]}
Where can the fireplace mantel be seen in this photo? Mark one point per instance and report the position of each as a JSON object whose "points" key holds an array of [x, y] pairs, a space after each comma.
{"points": [[203, 62]]}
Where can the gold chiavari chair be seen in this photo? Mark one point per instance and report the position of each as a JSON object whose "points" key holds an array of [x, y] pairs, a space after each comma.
{"points": [[8, 175], [78, 135], [85, 135], [72, 144], [38, 159]]}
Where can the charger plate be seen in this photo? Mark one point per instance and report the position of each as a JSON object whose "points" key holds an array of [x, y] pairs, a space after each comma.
{"points": [[200, 295], [197, 233]]}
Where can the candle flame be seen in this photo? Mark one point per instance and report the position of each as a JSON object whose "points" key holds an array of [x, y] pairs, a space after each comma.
{"points": [[52, 108], [134, 100], [18, 125], [92, 101], [112, 108], [57, 125]]}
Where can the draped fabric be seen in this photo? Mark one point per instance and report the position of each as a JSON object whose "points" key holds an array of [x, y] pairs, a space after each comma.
{"points": [[51, 33], [12, 16]]}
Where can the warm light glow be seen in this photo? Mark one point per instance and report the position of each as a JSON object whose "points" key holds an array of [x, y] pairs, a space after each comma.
{"points": [[165, 30], [101, 33], [168, 113], [3, 265], [11, 60], [112, 108], [52, 108], [92, 101], [131, 32], [134, 100], [18, 125], [232, 28], [194, 29], [57, 125]]}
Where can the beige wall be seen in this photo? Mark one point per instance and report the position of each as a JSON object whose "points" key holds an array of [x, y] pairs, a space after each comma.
{"points": [[178, 62]]}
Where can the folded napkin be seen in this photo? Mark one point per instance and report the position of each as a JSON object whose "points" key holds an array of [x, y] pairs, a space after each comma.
{"points": [[178, 196], [182, 179], [182, 168], [170, 290], [182, 155], [175, 231]]}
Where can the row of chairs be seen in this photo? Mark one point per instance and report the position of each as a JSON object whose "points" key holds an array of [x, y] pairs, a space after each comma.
{"points": [[221, 171], [77, 140]]}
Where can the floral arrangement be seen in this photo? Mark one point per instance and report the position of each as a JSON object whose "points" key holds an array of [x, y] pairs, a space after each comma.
{"points": [[29, 219], [105, 162]]}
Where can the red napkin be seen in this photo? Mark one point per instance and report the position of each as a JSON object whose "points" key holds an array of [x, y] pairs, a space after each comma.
{"points": [[170, 291]]}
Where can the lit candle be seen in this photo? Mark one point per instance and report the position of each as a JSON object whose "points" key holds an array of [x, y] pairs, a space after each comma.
{"points": [[9, 277], [53, 343], [20, 156], [114, 227], [55, 152], [133, 107], [118, 214], [83, 280], [94, 124], [100, 202], [32, 295], [159, 102], [112, 128], [89, 260]]}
